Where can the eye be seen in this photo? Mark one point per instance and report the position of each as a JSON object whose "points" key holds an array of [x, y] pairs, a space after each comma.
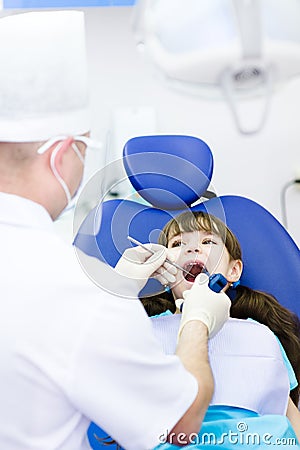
{"points": [[210, 241], [176, 243]]}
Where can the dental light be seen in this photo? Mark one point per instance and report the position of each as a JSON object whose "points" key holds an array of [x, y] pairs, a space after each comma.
{"points": [[238, 50]]}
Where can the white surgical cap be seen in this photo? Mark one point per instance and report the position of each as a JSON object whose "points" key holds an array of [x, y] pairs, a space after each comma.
{"points": [[43, 79]]}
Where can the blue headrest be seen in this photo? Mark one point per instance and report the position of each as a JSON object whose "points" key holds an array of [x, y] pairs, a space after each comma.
{"points": [[271, 258], [170, 171]]}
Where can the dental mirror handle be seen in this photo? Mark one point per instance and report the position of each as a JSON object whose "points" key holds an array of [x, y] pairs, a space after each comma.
{"points": [[131, 239]]}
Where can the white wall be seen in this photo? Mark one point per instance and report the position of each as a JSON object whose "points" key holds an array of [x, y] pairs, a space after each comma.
{"points": [[255, 166]]}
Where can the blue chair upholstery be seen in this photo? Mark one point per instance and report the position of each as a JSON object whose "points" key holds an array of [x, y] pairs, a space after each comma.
{"points": [[98, 439], [171, 173]]}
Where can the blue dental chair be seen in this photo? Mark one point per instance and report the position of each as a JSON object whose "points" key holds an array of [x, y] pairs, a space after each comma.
{"points": [[172, 174]]}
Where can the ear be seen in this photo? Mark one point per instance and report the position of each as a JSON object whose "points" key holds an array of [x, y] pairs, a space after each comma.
{"points": [[58, 151], [235, 270]]}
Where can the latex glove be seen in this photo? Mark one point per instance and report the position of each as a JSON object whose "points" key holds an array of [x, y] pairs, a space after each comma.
{"points": [[165, 274], [137, 263], [201, 303]]}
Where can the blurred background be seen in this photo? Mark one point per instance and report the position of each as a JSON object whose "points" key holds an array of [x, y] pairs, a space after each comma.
{"points": [[225, 71]]}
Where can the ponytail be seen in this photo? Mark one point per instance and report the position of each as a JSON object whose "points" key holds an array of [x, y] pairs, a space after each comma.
{"points": [[264, 308]]}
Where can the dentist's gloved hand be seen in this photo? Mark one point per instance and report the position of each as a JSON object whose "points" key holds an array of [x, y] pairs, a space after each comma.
{"points": [[201, 303], [138, 264]]}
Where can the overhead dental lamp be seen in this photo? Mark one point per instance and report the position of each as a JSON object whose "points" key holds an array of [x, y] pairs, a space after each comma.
{"points": [[238, 50]]}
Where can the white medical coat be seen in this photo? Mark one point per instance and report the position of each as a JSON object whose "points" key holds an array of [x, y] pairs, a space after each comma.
{"points": [[71, 353]]}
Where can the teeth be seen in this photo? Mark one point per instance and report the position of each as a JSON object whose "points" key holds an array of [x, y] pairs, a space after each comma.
{"points": [[194, 268], [194, 264]]}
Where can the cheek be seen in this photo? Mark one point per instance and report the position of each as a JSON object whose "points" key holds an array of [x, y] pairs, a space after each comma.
{"points": [[77, 176], [174, 254], [217, 257], [221, 265]]}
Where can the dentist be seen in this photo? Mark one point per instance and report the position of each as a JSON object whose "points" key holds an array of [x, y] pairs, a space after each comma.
{"points": [[71, 352]]}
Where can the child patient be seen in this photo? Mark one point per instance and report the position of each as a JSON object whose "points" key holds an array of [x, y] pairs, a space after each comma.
{"points": [[255, 362]]}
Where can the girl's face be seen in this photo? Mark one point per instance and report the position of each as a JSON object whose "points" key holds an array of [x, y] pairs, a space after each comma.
{"points": [[200, 251]]}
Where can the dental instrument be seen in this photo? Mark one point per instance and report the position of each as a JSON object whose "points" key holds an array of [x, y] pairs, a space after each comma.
{"points": [[134, 241]]}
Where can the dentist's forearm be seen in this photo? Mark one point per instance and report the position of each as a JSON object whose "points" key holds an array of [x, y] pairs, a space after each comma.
{"points": [[192, 349]]}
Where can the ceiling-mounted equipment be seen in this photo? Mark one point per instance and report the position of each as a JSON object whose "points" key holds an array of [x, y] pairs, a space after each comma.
{"points": [[240, 49], [40, 4]]}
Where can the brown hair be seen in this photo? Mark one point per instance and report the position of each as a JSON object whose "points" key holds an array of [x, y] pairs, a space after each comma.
{"points": [[159, 303], [201, 221], [248, 303]]}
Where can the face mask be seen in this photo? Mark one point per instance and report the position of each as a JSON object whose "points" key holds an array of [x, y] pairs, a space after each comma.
{"points": [[87, 141]]}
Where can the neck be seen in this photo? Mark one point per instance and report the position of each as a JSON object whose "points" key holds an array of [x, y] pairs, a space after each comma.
{"points": [[25, 173], [34, 194]]}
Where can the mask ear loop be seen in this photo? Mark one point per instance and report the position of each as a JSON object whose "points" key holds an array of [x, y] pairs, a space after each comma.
{"points": [[77, 151], [55, 172], [71, 204]]}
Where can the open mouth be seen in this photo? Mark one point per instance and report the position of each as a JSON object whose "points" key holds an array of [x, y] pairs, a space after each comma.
{"points": [[194, 269]]}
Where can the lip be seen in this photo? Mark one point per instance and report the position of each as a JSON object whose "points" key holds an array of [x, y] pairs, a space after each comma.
{"points": [[195, 267]]}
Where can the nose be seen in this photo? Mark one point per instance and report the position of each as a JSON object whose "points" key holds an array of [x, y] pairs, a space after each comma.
{"points": [[193, 248]]}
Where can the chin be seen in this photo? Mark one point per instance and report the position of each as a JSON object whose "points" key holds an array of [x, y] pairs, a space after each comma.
{"points": [[182, 285]]}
